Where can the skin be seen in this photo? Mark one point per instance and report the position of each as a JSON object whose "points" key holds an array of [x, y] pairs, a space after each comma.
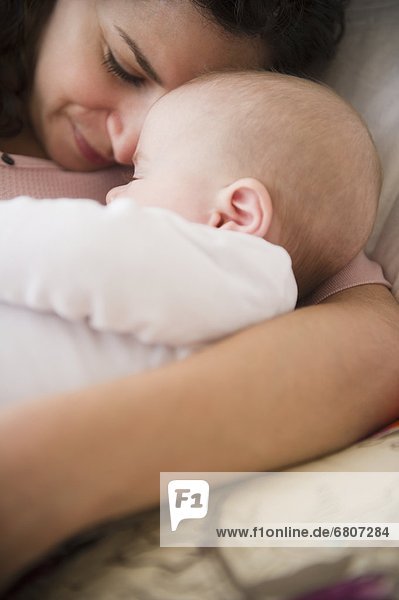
{"points": [[307, 392], [86, 99], [307, 385], [165, 173], [175, 168]]}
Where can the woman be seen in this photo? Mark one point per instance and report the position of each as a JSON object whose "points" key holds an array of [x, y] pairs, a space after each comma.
{"points": [[279, 393]]}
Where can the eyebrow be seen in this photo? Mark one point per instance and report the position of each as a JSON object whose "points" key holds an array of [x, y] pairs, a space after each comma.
{"points": [[141, 59]]}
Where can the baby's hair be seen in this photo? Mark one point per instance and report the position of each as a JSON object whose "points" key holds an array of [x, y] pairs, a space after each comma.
{"points": [[312, 152]]}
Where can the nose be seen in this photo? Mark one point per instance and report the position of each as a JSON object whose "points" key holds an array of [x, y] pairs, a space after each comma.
{"points": [[124, 134], [125, 121], [115, 193]]}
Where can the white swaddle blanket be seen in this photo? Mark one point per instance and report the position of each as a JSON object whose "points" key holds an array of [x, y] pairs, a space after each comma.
{"points": [[89, 293]]}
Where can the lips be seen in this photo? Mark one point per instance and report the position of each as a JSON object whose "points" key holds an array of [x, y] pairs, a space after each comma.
{"points": [[88, 152]]}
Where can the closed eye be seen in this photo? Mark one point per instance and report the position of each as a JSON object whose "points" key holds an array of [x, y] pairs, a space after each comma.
{"points": [[112, 66]]}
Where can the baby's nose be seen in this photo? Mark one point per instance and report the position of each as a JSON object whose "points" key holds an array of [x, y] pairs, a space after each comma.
{"points": [[115, 193]]}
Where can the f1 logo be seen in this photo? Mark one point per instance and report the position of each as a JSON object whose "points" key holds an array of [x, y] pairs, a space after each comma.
{"points": [[188, 499]]}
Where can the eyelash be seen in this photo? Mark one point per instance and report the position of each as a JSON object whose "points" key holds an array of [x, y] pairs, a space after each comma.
{"points": [[112, 66]]}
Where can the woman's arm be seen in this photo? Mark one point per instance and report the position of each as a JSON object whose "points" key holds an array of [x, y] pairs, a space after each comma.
{"points": [[282, 392]]}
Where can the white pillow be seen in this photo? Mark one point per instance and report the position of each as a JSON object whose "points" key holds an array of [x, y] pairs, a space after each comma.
{"points": [[366, 73]]}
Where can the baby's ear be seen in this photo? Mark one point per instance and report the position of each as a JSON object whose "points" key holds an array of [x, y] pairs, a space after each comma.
{"points": [[245, 206]]}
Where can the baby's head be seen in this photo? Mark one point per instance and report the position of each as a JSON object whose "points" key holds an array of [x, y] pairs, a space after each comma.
{"points": [[266, 154]]}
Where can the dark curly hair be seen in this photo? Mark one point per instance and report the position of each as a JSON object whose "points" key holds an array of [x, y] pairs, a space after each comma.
{"points": [[21, 22], [298, 32]]}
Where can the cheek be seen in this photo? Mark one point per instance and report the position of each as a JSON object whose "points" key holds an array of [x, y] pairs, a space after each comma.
{"points": [[57, 85], [68, 69], [143, 193]]}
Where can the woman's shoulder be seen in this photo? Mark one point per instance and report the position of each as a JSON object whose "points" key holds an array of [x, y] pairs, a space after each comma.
{"points": [[360, 271], [41, 178]]}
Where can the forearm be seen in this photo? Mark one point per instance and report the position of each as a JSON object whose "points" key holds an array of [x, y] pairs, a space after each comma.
{"points": [[285, 391]]}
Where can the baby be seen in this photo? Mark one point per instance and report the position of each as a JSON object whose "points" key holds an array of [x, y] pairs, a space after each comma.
{"points": [[281, 159], [268, 155]]}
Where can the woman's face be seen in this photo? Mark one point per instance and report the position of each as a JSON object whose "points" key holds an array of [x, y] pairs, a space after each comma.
{"points": [[103, 63]]}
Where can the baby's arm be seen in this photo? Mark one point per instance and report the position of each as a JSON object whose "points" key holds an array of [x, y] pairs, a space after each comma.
{"points": [[138, 270]]}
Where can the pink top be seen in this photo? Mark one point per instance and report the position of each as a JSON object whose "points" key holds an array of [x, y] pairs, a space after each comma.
{"points": [[360, 271], [42, 178]]}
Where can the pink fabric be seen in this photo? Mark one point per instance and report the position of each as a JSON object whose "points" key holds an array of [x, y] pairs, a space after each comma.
{"points": [[43, 179], [360, 271]]}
